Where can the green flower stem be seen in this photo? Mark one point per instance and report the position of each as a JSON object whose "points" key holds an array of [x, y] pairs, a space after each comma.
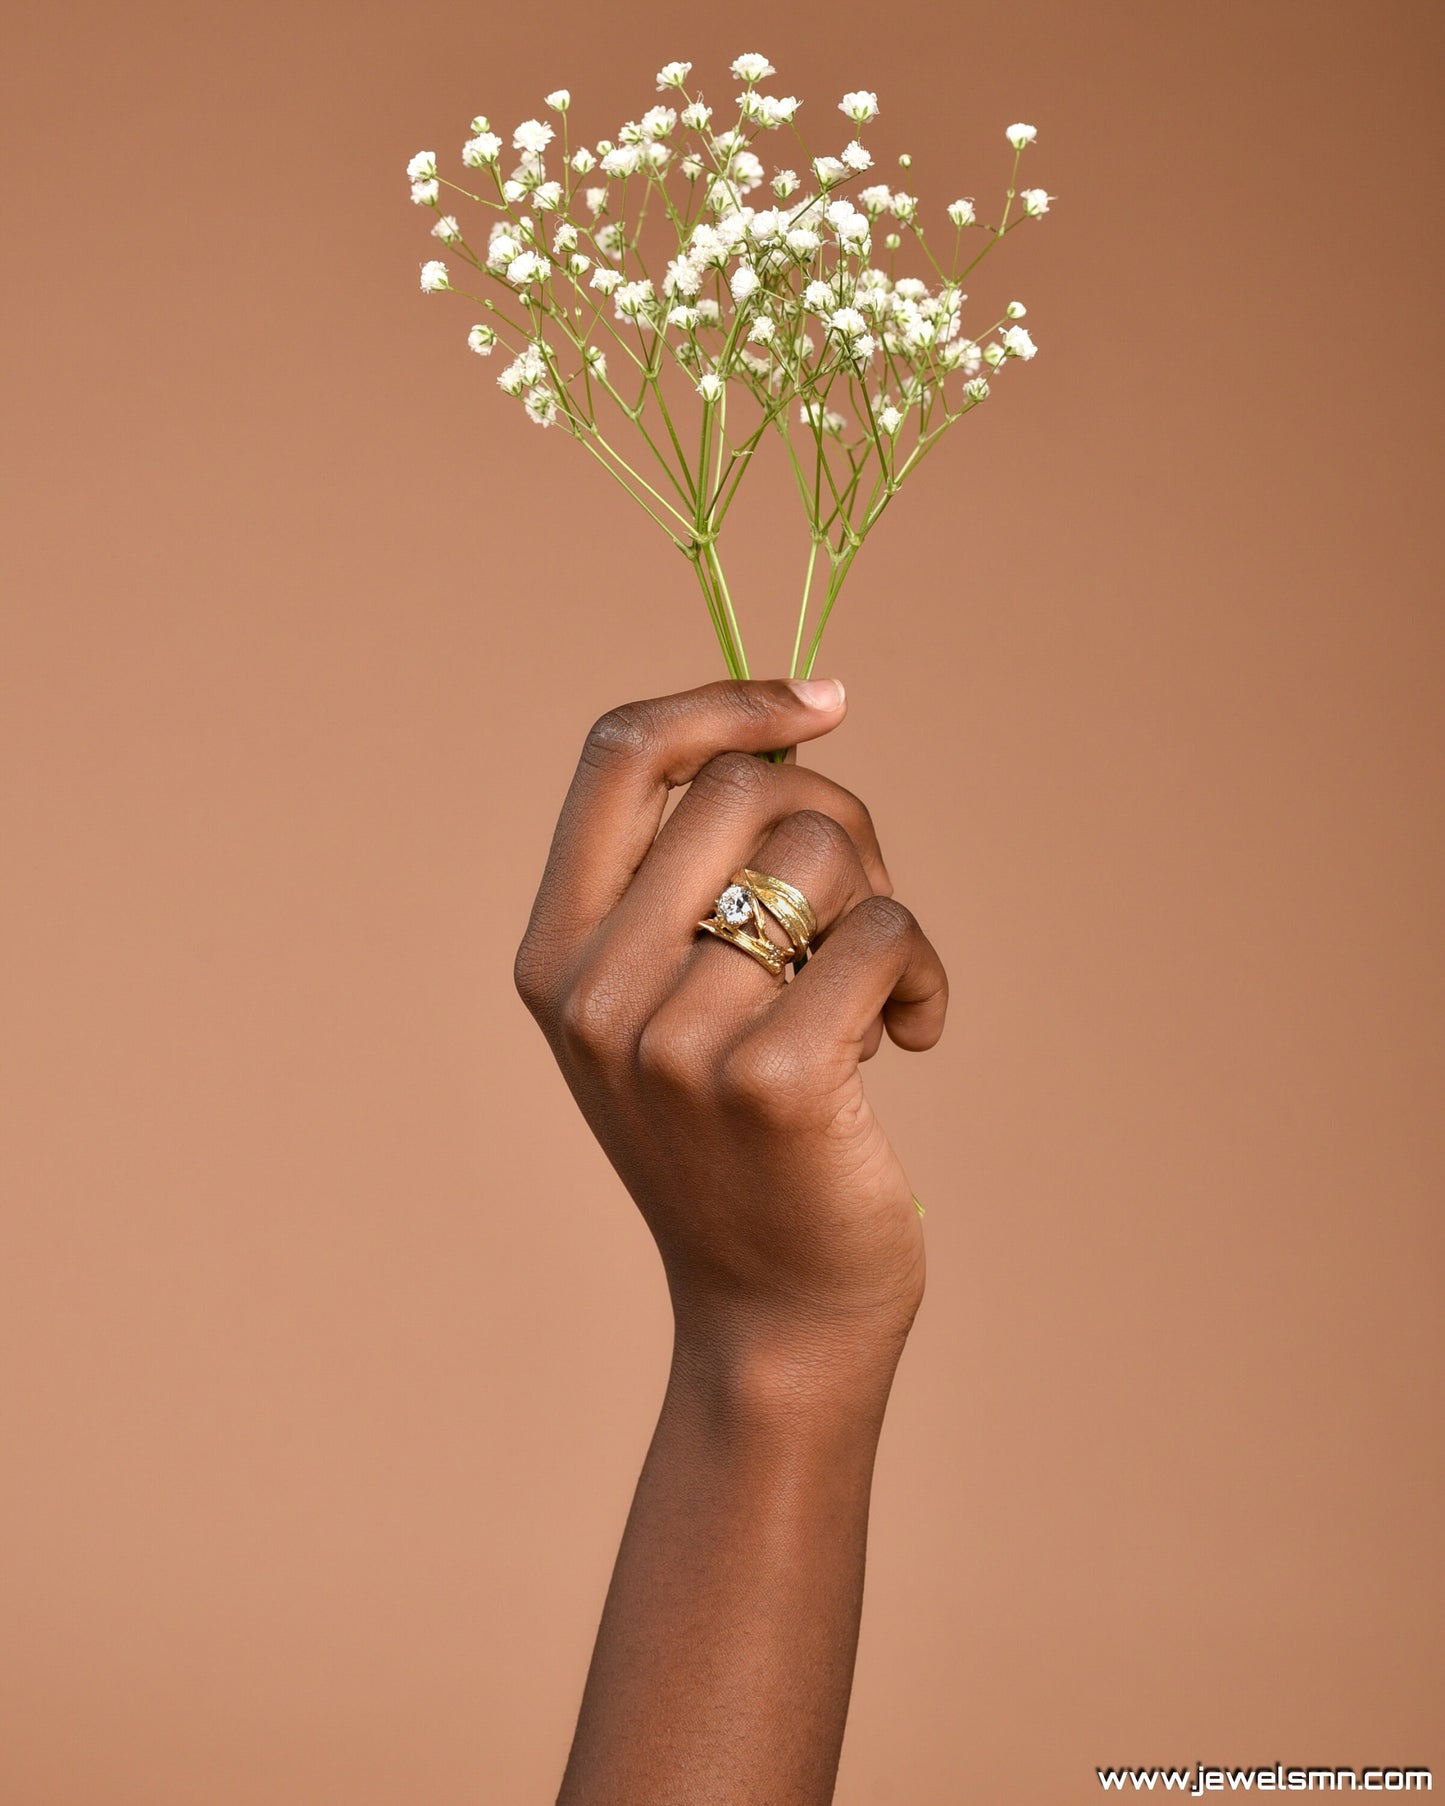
{"points": [[1009, 199], [835, 584], [803, 611], [672, 434], [715, 614], [711, 554], [584, 437], [661, 500]]}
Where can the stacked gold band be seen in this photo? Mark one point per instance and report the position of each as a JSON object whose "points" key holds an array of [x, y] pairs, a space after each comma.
{"points": [[788, 907], [765, 952], [738, 919]]}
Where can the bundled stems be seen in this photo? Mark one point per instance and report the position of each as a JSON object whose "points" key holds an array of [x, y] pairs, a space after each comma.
{"points": [[772, 312]]}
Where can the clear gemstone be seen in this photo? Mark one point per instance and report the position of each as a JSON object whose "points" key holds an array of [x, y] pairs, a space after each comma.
{"points": [[735, 906]]}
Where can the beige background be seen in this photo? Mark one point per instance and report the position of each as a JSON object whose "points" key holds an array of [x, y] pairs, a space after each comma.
{"points": [[330, 1347]]}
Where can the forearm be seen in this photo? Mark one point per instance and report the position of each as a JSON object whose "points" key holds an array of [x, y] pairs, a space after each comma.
{"points": [[725, 1656]]}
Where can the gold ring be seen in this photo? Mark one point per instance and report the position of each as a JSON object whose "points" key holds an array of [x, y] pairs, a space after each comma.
{"points": [[738, 918], [788, 906], [765, 952]]}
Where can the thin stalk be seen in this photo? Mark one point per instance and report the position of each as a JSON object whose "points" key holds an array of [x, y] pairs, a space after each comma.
{"points": [[710, 551], [715, 614], [803, 611]]}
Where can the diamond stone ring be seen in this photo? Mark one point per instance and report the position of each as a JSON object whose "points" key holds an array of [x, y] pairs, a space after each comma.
{"points": [[738, 919]]}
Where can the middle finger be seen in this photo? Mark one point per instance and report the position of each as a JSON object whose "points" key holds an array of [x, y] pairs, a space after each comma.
{"points": [[717, 826]]}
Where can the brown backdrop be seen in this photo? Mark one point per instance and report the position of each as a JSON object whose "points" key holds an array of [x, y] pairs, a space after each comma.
{"points": [[330, 1346]]}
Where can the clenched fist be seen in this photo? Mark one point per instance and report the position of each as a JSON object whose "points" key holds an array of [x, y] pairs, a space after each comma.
{"points": [[730, 1100]]}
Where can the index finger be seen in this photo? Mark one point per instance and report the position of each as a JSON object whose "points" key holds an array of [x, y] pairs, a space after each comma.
{"points": [[636, 754]]}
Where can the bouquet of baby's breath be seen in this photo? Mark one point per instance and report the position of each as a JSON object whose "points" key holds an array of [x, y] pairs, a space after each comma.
{"points": [[640, 282]]}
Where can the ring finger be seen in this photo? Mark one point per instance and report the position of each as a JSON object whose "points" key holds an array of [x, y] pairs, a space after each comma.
{"points": [[817, 856]]}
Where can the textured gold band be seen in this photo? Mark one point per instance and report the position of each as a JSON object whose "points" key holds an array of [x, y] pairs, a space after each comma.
{"points": [[787, 904], [765, 952]]}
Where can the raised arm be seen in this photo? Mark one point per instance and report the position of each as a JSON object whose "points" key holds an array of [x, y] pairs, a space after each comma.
{"points": [[731, 1104]]}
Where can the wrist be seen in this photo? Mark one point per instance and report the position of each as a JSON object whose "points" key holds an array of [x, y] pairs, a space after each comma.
{"points": [[761, 1377]]}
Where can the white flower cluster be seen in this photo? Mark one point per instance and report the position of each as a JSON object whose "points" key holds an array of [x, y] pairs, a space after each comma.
{"points": [[772, 295]]}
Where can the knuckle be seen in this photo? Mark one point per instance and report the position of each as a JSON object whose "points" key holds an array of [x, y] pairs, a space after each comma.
{"points": [[886, 921], [750, 701], [867, 834], [854, 806], [766, 1078], [626, 733], [592, 1019], [732, 778], [532, 975], [816, 836], [670, 1052]]}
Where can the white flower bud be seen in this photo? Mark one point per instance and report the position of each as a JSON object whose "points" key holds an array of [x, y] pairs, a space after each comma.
{"points": [[673, 75], [482, 340], [486, 147], [633, 300], [976, 390], [962, 212], [1020, 135], [532, 136], [541, 405], [657, 122], [559, 100], [860, 106], [1015, 310], [752, 68], [782, 110], [529, 267], [447, 229], [434, 276]]}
